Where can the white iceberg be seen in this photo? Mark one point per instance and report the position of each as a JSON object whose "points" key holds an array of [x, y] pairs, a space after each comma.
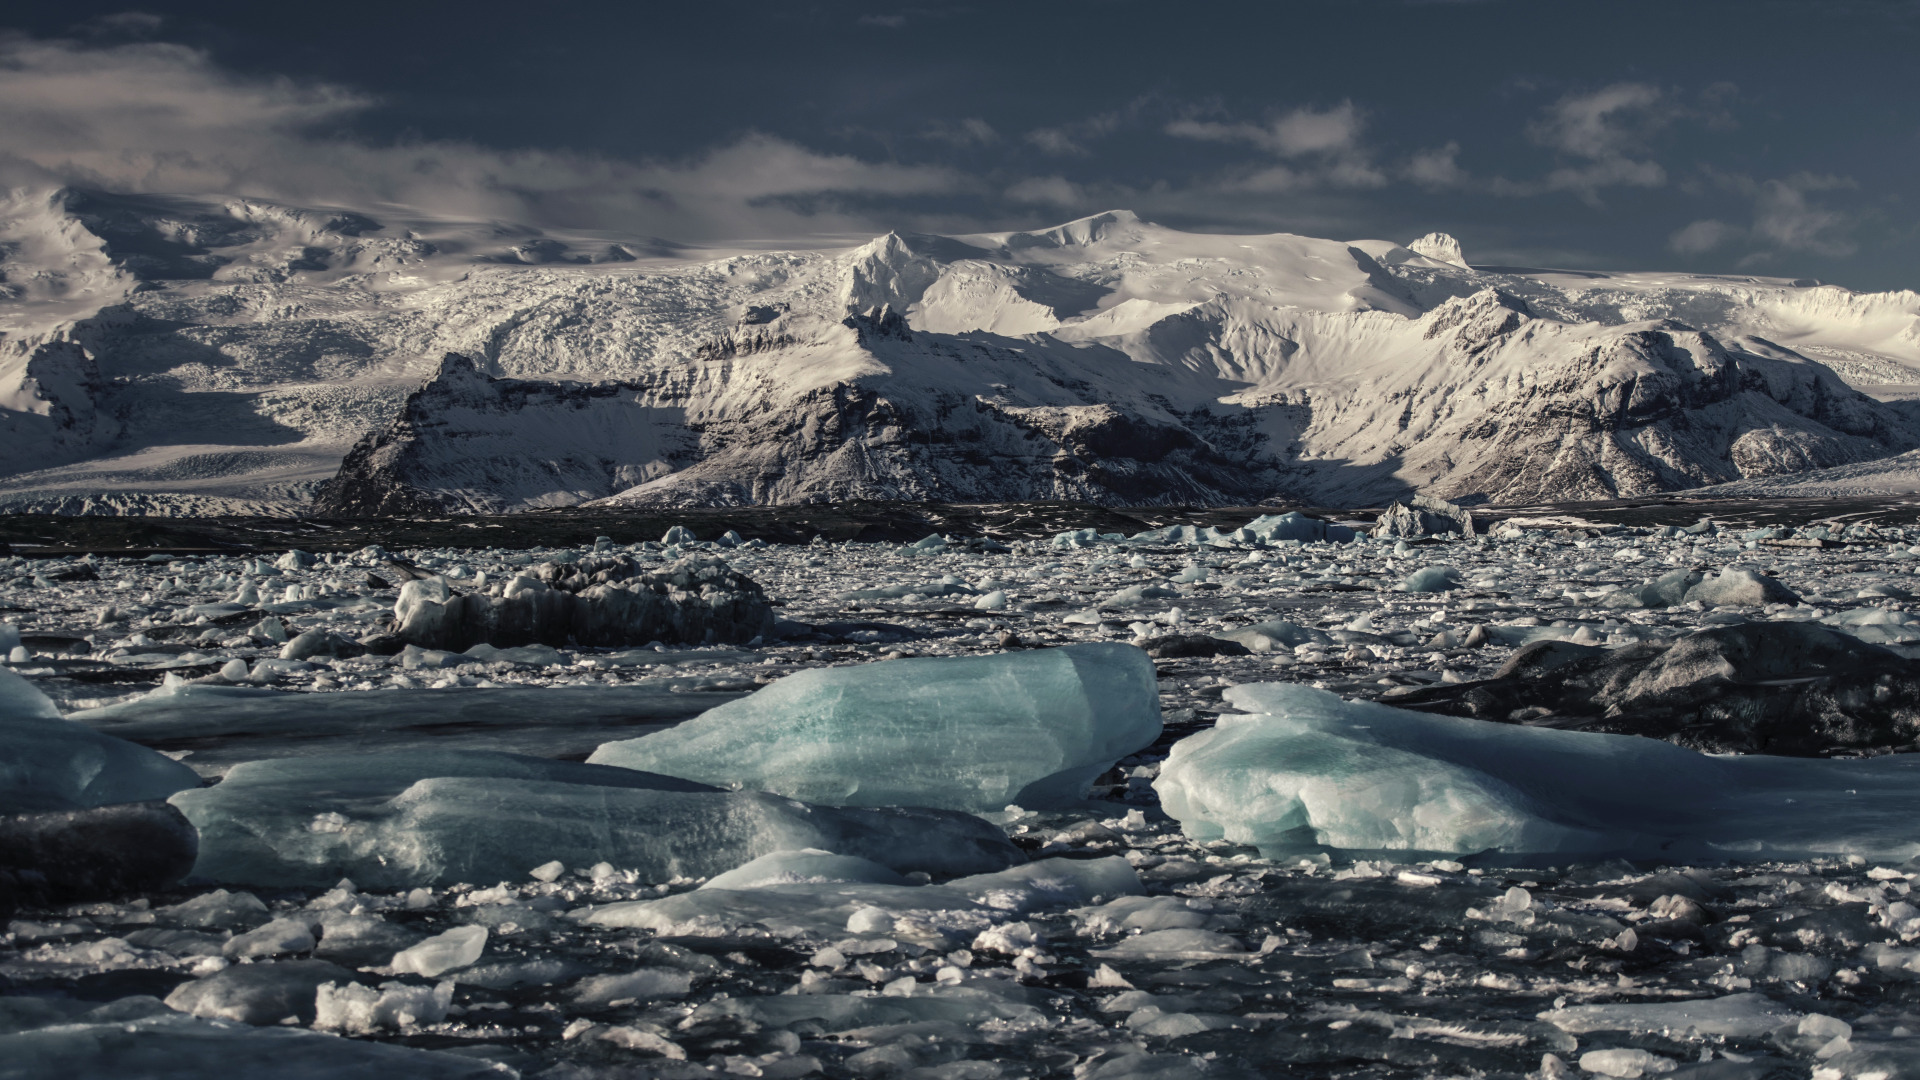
{"points": [[1299, 768], [969, 733]]}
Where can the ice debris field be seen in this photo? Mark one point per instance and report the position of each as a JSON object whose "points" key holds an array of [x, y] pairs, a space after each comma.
{"points": [[1403, 800]]}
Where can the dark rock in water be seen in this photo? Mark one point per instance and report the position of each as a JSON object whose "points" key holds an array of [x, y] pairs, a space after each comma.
{"points": [[594, 602], [1795, 689], [68, 856], [1175, 646]]}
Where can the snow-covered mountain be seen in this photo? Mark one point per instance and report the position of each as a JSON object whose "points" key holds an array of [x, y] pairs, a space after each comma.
{"points": [[202, 355]]}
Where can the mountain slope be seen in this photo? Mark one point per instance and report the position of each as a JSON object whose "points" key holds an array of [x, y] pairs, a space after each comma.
{"points": [[235, 355]]}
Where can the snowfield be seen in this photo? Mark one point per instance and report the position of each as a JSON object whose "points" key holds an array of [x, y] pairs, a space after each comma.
{"points": [[204, 355]]}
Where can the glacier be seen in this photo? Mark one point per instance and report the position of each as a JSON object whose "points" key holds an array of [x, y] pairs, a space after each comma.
{"points": [[389, 365]]}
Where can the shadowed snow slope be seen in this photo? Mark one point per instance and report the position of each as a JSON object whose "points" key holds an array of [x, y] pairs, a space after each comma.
{"points": [[200, 354]]}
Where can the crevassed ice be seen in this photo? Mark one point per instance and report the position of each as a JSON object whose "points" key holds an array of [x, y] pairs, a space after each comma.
{"points": [[1300, 768], [965, 733]]}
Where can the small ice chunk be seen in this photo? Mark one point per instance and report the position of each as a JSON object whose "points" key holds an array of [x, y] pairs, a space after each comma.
{"points": [[434, 957], [1737, 587], [645, 985], [548, 871], [1431, 579], [1626, 1064], [258, 993], [353, 1009], [281, 936]]}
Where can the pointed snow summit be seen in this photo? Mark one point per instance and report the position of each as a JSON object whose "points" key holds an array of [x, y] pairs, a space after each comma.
{"points": [[1439, 247]]}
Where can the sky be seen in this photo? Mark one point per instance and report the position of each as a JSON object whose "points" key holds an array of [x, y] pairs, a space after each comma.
{"points": [[1764, 137]]}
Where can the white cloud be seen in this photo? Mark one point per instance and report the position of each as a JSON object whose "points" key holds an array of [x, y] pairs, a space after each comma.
{"points": [[1438, 167], [1304, 131], [1607, 129], [1606, 123], [157, 117], [1047, 190], [1783, 215], [1326, 142], [1701, 237]]}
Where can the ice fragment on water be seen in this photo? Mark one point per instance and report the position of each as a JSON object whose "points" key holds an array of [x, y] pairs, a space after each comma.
{"points": [[353, 1009], [457, 948], [48, 763], [434, 818], [967, 733], [1301, 767]]}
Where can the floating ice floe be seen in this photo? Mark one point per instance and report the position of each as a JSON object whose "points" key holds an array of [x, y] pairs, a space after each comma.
{"points": [[1731, 587], [141, 1037], [226, 725], [50, 763], [435, 818], [606, 601], [967, 733], [929, 916], [1299, 768]]}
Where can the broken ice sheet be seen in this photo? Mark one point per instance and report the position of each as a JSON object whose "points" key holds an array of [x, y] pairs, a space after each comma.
{"points": [[434, 818], [1299, 768], [966, 733]]}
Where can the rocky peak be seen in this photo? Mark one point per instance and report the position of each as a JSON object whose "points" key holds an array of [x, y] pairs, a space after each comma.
{"points": [[879, 323], [1441, 247], [1477, 319]]}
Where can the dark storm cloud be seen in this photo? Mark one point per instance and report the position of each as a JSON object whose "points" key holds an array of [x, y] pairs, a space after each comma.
{"points": [[1625, 134]]}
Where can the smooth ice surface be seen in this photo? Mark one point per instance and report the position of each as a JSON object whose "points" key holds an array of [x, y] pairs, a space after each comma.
{"points": [[1748, 1015], [434, 818], [171, 1046], [226, 725], [457, 948], [809, 867], [1299, 767], [47, 763], [969, 733], [934, 916]]}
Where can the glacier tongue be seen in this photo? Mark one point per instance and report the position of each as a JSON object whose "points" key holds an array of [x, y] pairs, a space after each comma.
{"points": [[1300, 769], [966, 733]]}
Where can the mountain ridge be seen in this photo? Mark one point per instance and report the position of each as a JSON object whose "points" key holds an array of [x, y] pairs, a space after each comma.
{"points": [[1106, 359]]}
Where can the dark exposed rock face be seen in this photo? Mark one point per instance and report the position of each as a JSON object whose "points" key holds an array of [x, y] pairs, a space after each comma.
{"points": [[1793, 689], [597, 602], [105, 852]]}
